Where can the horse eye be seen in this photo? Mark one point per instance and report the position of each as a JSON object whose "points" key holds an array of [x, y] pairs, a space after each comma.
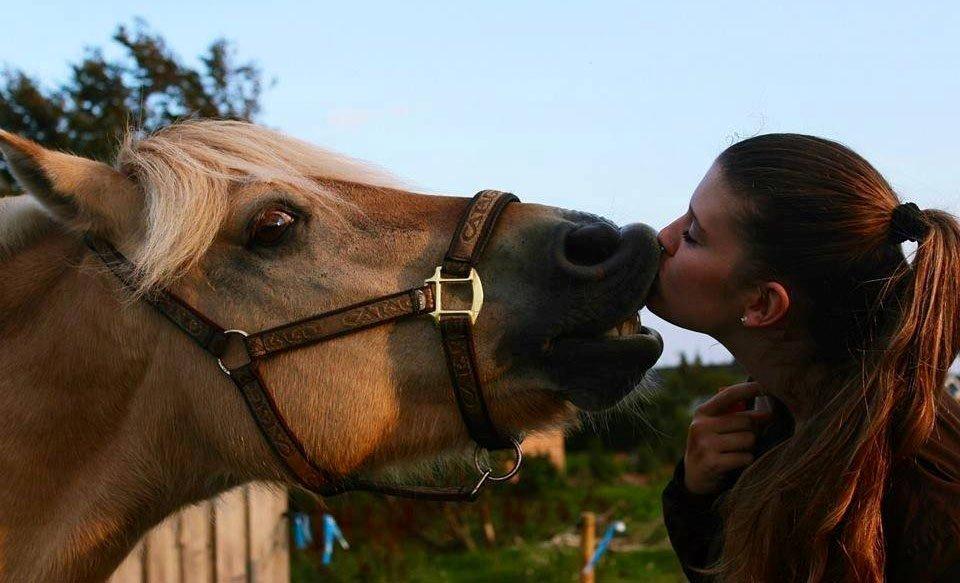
{"points": [[270, 227]]}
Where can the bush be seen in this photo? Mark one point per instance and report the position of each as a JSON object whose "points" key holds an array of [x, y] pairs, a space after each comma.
{"points": [[648, 460], [538, 476], [603, 466]]}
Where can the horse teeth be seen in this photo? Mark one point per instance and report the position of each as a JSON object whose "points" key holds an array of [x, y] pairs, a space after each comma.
{"points": [[628, 327]]}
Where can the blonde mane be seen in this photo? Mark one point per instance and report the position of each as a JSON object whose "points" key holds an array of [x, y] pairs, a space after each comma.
{"points": [[188, 171]]}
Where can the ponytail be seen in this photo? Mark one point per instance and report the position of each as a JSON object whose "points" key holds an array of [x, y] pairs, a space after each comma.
{"points": [[928, 338]]}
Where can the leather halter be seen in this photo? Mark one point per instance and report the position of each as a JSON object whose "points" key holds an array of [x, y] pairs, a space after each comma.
{"points": [[456, 330]]}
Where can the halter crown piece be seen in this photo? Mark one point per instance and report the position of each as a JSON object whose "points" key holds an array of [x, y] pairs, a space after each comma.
{"points": [[908, 224]]}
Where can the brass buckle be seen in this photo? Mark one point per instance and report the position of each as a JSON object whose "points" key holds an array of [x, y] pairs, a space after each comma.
{"points": [[475, 285]]}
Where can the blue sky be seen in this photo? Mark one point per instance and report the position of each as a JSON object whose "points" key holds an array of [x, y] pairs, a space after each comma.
{"points": [[612, 107]]}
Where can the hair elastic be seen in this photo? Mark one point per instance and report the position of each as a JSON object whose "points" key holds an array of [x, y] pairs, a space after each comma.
{"points": [[907, 223]]}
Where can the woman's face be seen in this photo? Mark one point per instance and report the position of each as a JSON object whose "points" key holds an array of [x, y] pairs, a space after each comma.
{"points": [[696, 287]]}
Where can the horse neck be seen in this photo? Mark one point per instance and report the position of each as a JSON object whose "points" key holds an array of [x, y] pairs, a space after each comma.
{"points": [[99, 441]]}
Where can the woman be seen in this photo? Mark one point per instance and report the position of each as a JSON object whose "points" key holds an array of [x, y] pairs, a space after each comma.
{"points": [[790, 256]]}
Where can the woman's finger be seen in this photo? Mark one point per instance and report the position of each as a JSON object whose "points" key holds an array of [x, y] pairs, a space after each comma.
{"points": [[726, 462], [724, 400], [735, 442], [742, 421]]}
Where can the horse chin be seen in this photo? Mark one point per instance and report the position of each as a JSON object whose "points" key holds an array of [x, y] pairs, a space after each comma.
{"points": [[597, 373]]}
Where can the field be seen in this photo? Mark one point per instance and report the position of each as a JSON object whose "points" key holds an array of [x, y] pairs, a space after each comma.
{"points": [[535, 531]]}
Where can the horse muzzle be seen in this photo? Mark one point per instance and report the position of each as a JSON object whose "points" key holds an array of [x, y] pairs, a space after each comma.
{"points": [[598, 351]]}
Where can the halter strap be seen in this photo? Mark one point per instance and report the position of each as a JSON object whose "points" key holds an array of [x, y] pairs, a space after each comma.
{"points": [[474, 231], [469, 240], [472, 234], [205, 332], [412, 302]]}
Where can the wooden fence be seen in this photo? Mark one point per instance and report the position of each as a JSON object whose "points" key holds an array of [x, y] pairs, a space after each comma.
{"points": [[240, 537]]}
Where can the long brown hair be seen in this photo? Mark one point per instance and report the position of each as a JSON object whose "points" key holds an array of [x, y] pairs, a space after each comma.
{"points": [[883, 332]]}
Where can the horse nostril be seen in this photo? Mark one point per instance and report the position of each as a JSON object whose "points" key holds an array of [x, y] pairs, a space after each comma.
{"points": [[592, 244]]}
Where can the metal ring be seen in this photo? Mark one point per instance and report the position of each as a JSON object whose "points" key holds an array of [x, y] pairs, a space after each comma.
{"points": [[488, 472], [240, 333]]}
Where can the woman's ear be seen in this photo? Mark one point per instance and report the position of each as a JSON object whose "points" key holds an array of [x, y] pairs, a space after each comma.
{"points": [[84, 194], [768, 306]]}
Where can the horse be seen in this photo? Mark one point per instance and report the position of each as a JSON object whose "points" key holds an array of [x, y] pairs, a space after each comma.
{"points": [[114, 419]]}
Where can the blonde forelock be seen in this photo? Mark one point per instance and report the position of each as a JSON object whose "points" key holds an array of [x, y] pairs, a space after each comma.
{"points": [[188, 171]]}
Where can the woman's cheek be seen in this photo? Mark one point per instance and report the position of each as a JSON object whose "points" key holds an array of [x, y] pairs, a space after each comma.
{"points": [[672, 272]]}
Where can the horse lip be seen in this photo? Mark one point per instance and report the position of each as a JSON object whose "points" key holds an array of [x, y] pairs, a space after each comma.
{"points": [[644, 334], [596, 373]]}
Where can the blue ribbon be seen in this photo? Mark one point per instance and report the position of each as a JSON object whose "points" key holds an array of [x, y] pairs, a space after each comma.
{"points": [[302, 533], [612, 530], [331, 531]]}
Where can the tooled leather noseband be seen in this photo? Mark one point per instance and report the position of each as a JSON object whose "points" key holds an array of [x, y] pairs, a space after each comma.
{"points": [[456, 330]]}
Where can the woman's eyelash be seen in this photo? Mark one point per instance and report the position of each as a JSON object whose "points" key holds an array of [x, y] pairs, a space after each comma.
{"points": [[688, 238]]}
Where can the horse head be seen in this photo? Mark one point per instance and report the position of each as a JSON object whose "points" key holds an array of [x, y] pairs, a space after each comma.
{"points": [[255, 229]]}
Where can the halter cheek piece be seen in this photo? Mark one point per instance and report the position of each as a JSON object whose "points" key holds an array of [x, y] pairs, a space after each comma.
{"points": [[456, 331]]}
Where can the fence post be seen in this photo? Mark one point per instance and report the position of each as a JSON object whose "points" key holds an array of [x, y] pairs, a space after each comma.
{"points": [[588, 539]]}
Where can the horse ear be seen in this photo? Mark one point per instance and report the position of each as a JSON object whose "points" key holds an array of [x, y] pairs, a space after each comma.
{"points": [[85, 194]]}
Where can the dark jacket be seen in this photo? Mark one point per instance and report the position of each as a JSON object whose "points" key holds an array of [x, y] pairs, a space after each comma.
{"points": [[921, 511]]}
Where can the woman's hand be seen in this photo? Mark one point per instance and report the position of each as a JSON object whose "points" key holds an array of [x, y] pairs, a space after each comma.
{"points": [[721, 437]]}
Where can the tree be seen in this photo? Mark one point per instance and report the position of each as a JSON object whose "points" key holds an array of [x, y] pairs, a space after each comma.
{"points": [[147, 88]]}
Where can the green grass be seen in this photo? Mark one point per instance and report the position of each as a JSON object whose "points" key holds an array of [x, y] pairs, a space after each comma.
{"points": [[536, 528], [525, 562]]}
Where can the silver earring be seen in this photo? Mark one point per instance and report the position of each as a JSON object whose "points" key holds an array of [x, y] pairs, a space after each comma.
{"points": [[743, 320]]}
